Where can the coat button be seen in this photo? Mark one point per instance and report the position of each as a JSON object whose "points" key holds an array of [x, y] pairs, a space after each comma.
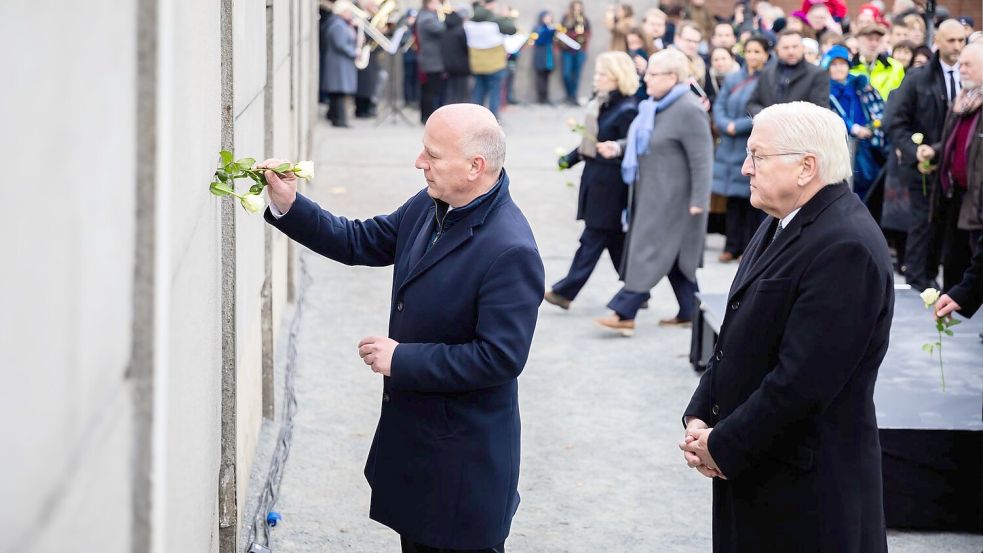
{"points": [[385, 397], [715, 410], [399, 306], [720, 355], [735, 305]]}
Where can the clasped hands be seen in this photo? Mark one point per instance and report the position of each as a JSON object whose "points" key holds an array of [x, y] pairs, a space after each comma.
{"points": [[696, 451]]}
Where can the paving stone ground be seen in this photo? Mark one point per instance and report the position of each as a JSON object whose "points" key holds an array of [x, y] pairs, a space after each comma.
{"points": [[600, 413]]}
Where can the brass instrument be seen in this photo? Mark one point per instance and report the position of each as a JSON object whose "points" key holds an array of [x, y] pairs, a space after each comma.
{"points": [[373, 26]]}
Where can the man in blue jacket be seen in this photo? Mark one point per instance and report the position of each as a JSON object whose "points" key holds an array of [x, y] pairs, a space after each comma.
{"points": [[468, 280]]}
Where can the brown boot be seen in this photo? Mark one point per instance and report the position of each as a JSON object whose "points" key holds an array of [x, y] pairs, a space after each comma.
{"points": [[675, 321], [557, 300], [612, 322]]}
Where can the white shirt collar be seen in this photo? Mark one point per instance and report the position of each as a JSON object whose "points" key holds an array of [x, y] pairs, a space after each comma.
{"points": [[946, 68], [788, 218]]}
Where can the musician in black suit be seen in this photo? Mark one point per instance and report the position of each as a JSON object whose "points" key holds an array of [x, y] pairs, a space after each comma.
{"points": [[783, 419]]}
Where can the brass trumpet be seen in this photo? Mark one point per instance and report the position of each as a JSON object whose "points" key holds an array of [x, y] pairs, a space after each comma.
{"points": [[374, 26]]}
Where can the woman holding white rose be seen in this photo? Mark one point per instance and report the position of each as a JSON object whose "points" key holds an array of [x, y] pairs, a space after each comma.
{"points": [[667, 161], [603, 195]]}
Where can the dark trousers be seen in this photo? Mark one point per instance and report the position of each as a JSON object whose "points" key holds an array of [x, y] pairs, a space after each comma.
{"points": [[923, 244], [627, 303], [429, 92], [410, 547], [956, 250], [543, 87], [742, 221], [337, 109], [593, 242], [457, 90]]}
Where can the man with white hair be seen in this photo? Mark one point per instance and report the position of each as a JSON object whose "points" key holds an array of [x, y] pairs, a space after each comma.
{"points": [[783, 419], [467, 284]]}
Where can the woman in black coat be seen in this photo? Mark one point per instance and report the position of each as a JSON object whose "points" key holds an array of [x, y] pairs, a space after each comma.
{"points": [[603, 195], [454, 45]]}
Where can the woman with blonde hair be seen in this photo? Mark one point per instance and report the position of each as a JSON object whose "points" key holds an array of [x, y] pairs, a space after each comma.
{"points": [[667, 159], [603, 195]]}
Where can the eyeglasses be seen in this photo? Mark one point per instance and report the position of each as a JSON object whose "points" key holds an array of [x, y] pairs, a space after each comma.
{"points": [[756, 158]]}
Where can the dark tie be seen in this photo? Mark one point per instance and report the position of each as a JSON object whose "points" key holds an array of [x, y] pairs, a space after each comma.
{"points": [[952, 86], [778, 230]]}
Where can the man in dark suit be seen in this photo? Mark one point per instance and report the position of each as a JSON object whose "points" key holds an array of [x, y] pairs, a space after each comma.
{"points": [[467, 284], [790, 78], [919, 106], [967, 296], [783, 419]]}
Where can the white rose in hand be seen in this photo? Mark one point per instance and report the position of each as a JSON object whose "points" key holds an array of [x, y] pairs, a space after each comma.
{"points": [[930, 296], [304, 170], [253, 203]]}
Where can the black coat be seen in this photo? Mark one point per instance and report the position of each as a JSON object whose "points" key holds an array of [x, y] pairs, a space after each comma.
{"points": [[969, 293], [444, 463], [789, 390], [806, 82], [919, 105], [454, 45], [603, 195]]}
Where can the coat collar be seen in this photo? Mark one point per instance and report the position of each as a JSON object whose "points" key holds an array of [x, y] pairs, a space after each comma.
{"points": [[764, 254], [473, 215]]}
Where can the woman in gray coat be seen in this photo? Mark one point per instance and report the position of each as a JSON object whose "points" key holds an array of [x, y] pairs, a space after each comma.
{"points": [[340, 78], [667, 158]]}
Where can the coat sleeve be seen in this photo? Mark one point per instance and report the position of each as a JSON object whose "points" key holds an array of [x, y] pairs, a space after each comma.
{"points": [[339, 40], [899, 118], [371, 242], [508, 304], [699, 404], [698, 146], [969, 293], [756, 102], [819, 91], [719, 110], [430, 25], [827, 334]]}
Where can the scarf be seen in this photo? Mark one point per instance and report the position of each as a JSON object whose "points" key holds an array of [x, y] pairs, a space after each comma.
{"points": [[640, 132], [588, 143], [968, 100]]}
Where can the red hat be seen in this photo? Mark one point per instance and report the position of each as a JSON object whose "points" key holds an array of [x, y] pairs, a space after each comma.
{"points": [[875, 11], [837, 8]]}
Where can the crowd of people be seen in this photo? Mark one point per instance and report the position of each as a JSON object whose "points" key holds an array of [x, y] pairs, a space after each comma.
{"points": [[904, 82]]}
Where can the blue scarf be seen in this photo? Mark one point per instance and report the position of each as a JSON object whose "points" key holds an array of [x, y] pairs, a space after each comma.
{"points": [[640, 132]]}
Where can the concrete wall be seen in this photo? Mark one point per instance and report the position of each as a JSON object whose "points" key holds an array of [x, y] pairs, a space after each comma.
{"points": [[112, 297]]}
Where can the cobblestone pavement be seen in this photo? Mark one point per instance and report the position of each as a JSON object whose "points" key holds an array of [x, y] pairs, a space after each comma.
{"points": [[600, 413]]}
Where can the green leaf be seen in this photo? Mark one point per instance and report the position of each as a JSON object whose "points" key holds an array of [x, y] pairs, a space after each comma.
{"points": [[232, 169], [246, 163], [256, 189], [954, 322], [222, 175], [283, 168], [948, 332], [226, 156], [220, 188], [927, 347]]}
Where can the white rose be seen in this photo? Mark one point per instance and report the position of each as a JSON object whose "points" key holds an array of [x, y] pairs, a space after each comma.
{"points": [[930, 296], [304, 170], [253, 203], [918, 138]]}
